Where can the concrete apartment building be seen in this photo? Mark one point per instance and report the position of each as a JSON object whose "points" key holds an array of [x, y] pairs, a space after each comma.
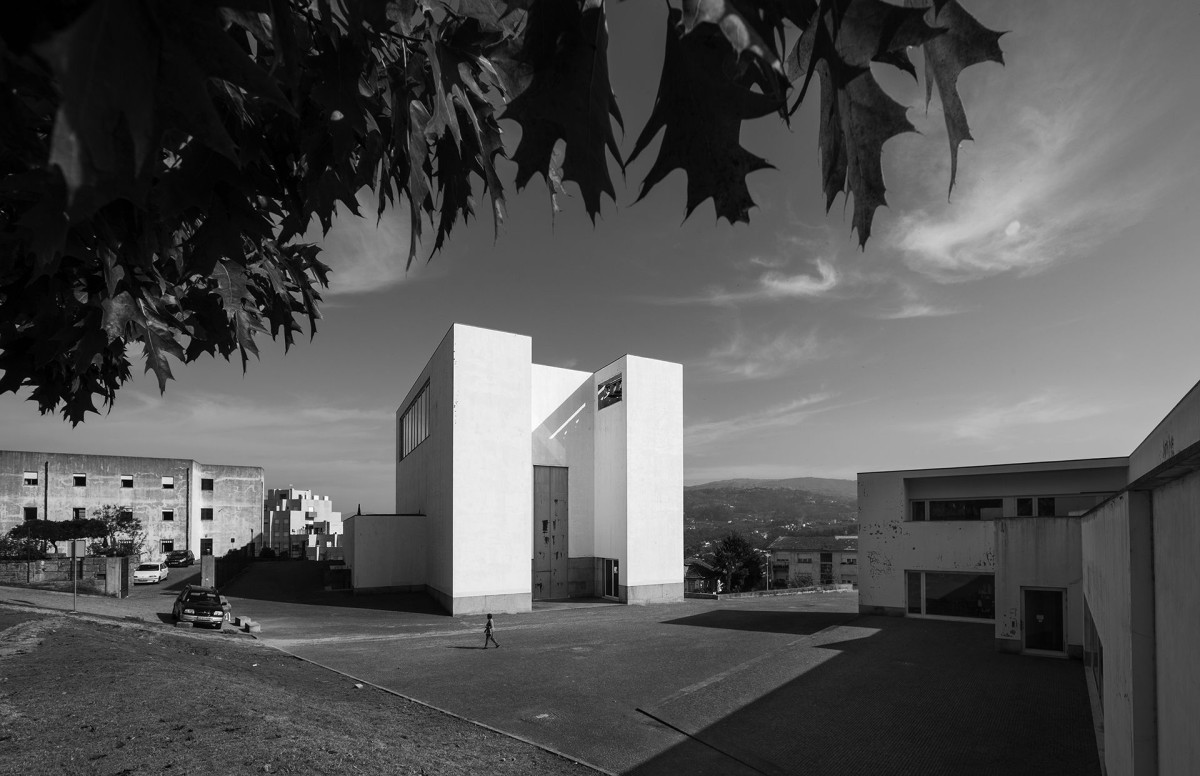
{"points": [[825, 560], [518, 482], [183, 504], [1091, 558], [301, 524]]}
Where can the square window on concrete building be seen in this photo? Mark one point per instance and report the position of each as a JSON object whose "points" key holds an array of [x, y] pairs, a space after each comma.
{"points": [[166, 545], [168, 514], [609, 392], [168, 483], [206, 483], [30, 513], [206, 513], [126, 480], [31, 478], [81, 480], [78, 513]]}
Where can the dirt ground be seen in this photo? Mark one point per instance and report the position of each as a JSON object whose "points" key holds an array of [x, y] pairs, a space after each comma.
{"points": [[88, 696]]}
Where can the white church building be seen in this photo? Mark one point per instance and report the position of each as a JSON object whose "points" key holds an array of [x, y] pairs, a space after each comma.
{"points": [[518, 482]]}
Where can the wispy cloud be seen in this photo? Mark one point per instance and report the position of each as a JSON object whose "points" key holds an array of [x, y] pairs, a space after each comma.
{"points": [[1043, 186], [705, 434], [773, 285], [745, 358], [913, 305], [992, 421], [363, 255]]}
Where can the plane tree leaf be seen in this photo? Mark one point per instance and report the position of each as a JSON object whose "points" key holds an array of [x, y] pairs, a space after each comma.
{"points": [[699, 110], [557, 74], [965, 43], [162, 163]]}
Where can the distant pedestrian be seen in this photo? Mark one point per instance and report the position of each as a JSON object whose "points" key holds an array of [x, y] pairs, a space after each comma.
{"points": [[487, 634]]}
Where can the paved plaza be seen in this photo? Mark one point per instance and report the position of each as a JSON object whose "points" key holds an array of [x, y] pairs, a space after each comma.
{"points": [[745, 686]]}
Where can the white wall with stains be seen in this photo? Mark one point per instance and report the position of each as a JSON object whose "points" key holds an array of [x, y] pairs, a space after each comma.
{"points": [[890, 543], [1038, 552]]}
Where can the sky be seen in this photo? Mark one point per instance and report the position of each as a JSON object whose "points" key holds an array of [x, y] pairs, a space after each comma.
{"points": [[1046, 310]]}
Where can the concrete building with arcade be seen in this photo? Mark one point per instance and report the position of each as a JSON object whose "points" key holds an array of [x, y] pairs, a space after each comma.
{"points": [[518, 482], [1086, 558]]}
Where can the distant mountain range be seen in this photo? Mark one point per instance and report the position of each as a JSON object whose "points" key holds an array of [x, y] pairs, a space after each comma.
{"points": [[763, 510], [840, 488]]}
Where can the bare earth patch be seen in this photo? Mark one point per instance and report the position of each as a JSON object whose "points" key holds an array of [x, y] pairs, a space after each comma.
{"points": [[81, 696]]}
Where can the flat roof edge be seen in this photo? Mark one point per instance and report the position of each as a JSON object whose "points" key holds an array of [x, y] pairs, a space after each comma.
{"points": [[1076, 463]]}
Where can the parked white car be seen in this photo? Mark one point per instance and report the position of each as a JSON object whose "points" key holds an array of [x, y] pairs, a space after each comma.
{"points": [[150, 572]]}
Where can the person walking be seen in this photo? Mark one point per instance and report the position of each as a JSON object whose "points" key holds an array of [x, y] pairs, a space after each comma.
{"points": [[487, 634]]}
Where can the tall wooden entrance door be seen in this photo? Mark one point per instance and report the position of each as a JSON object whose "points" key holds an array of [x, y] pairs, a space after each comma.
{"points": [[550, 562]]}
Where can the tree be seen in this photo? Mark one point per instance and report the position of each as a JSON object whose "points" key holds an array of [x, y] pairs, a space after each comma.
{"points": [[738, 561], [121, 529], [162, 160], [50, 532], [801, 579]]}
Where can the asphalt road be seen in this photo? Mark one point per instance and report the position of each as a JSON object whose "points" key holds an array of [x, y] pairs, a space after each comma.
{"points": [[748, 686], [795, 684]]}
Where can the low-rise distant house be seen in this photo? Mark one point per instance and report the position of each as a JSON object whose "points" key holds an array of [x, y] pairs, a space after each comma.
{"points": [[301, 524], [814, 560], [700, 577]]}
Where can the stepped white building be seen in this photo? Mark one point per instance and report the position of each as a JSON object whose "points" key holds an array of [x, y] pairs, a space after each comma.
{"points": [[301, 524], [517, 482]]}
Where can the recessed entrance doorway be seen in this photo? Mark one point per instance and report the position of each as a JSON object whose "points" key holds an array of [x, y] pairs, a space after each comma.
{"points": [[612, 578], [550, 562], [1044, 621]]}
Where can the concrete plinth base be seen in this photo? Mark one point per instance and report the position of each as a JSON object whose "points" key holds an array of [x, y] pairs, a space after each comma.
{"points": [[670, 592]]}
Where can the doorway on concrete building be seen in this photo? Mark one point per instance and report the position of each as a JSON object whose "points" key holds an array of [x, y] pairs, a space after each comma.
{"points": [[612, 578], [551, 565], [206, 546], [1044, 620]]}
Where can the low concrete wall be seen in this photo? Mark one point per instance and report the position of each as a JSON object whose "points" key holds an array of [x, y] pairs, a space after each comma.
{"points": [[783, 591], [96, 576]]}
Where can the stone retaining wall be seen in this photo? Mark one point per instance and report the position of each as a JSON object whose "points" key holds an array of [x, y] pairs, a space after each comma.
{"points": [[98, 576]]}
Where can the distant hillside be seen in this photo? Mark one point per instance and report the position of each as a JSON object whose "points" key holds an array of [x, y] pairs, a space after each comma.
{"points": [[763, 510], [840, 488]]}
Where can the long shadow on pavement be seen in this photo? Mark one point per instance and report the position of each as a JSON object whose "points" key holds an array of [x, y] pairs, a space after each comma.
{"points": [[303, 582], [900, 697], [764, 621]]}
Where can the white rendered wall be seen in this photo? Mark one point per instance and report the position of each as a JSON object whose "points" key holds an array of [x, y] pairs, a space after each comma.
{"points": [[1177, 624], [889, 543], [425, 477], [1175, 537], [653, 395], [611, 467], [1116, 582], [1038, 552], [492, 464], [386, 551], [563, 415]]}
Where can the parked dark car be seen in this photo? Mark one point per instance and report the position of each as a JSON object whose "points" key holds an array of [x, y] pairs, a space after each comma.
{"points": [[200, 606], [180, 558]]}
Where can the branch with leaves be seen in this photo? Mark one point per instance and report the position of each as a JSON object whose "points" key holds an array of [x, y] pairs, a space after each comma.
{"points": [[161, 162]]}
